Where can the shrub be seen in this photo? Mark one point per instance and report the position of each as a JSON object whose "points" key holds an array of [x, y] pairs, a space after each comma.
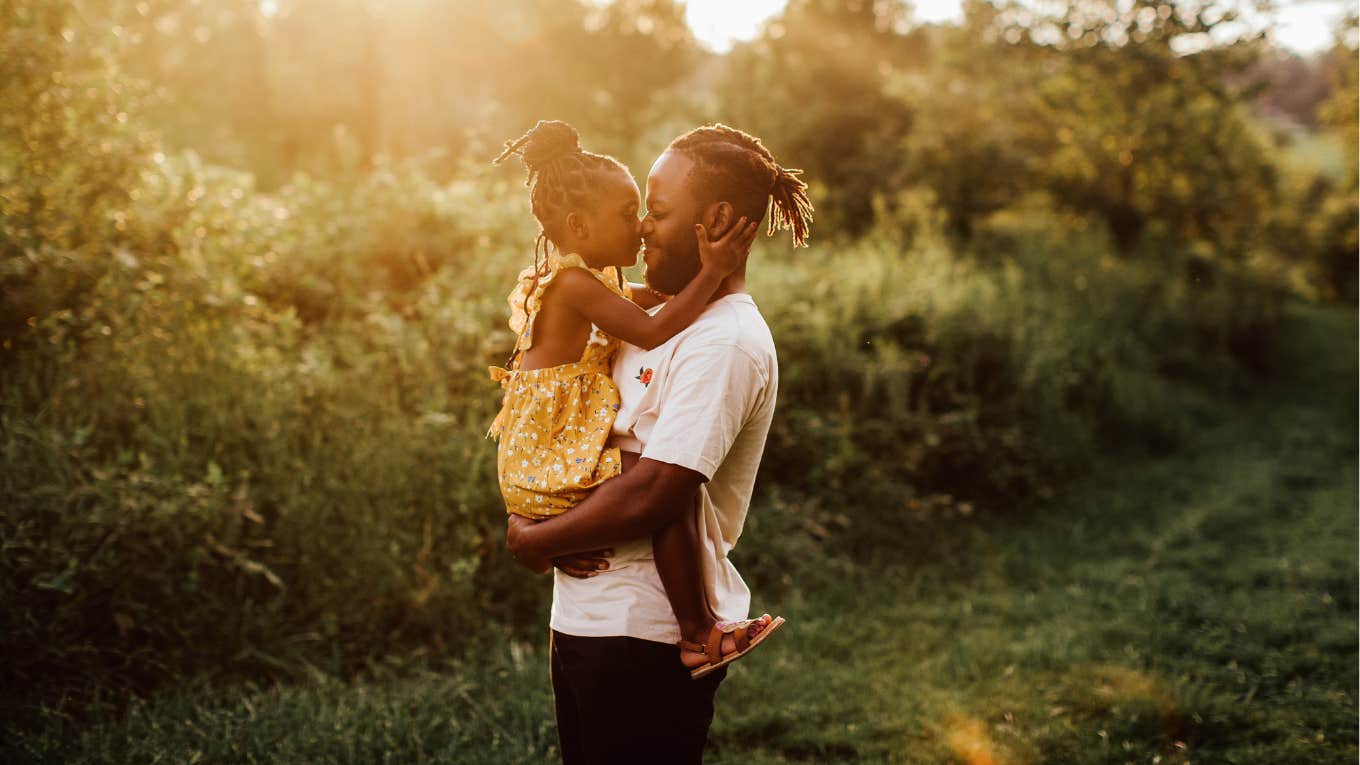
{"points": [[243, 432]]}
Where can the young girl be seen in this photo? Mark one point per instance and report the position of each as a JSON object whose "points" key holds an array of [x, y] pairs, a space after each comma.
{"points": [[569, 313]]}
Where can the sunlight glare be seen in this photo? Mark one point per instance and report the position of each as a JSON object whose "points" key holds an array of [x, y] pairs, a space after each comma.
{"points": [[969, 740], [718, 24], [937, 11], [1303, 26], [1308, 27]]}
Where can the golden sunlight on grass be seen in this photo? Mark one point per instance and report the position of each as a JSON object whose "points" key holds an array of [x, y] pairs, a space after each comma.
{"points": [[970, 742], [1108, 686]]}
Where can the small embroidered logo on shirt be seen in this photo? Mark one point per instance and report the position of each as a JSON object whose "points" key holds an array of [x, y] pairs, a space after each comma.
{"points": [[644, 375]]}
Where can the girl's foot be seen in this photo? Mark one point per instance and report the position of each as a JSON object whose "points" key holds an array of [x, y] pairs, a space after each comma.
{"points": [[693, 653]]}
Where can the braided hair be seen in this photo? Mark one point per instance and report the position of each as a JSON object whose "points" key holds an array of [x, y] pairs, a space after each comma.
{"points": [[735, 166], [562, 178]]}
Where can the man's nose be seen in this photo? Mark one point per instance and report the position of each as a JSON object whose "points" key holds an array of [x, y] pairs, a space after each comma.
{"points": [[644, 226]]}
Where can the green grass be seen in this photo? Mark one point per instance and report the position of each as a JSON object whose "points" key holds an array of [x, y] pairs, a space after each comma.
{"points": [[1194, 608], [1198, 608]]}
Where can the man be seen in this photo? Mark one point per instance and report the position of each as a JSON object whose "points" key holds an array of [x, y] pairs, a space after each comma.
{"points": [[694, 416]]}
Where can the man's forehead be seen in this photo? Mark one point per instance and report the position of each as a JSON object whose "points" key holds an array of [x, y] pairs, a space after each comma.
{"points": [[667, 177]]}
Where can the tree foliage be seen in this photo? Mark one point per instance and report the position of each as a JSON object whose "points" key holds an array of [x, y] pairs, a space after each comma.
{"points": [[327, 85], [247, 315], [814, 87], [1335, 228], [1101, 105]]}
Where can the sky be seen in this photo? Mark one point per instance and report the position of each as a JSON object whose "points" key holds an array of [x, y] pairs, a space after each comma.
{"points": [[1303, 26]]}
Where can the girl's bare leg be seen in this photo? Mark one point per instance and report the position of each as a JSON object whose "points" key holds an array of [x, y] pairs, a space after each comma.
{"points": [[676, 551]]}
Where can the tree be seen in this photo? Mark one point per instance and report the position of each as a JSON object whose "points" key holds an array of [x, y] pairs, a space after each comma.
{"points": [[71, 150], [1145, 126], [813, 86], [1106, 105], [969, 142], [1339, 212], [608, 70], [287, 86]]}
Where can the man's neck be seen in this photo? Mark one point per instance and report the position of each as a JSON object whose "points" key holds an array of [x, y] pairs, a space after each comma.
{"points": [[734, 284]]}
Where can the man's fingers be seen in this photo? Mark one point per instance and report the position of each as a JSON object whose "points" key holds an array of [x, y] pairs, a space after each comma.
{"points": [[701, 233], [580, 570], [583, 565]]}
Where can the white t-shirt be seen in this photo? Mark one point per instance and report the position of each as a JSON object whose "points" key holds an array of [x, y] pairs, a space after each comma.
{"points": [[703, 401]]}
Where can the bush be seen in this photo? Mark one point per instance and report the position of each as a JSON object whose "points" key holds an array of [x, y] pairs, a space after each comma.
{"points": [[198, 477], [243, 432], [991, 377], [260, 449]]}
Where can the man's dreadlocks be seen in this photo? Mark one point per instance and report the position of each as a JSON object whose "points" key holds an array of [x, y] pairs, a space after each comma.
{"points": [[734, 166]]}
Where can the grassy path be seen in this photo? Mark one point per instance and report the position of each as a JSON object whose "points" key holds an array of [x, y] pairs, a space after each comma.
{"points": [[1198, 608]]}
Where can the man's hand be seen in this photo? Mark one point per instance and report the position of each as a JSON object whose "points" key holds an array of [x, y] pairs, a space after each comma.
{"points": [[583, 565], [579, 565], [515, 540], [645, 498]]}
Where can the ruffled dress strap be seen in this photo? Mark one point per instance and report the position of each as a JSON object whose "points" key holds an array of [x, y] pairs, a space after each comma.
{"points": [[527, 298]]}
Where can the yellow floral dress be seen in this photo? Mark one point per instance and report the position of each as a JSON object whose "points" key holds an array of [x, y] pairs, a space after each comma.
{"points": [[554, 421]]}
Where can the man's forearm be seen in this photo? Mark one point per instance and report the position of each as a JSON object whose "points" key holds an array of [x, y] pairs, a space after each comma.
{"points": [[633, 505]]}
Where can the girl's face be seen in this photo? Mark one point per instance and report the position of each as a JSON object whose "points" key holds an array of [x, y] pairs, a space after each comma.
{"points": [[613, 238]]}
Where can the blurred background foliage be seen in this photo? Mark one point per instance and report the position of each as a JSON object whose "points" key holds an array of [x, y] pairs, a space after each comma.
{"points": [[253, 260]]}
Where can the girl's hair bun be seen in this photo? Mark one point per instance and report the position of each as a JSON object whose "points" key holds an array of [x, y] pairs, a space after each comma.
{"points": [[548, 140]]}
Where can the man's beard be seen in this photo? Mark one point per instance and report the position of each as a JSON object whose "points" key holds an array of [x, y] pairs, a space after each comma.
{"points": [[677, 267]]}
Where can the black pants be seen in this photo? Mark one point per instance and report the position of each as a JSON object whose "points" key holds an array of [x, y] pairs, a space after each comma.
{"points": [[625, 700]]}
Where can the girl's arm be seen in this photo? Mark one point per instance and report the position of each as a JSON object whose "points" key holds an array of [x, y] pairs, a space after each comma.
{"points": [[645, 296], [627, 321]]}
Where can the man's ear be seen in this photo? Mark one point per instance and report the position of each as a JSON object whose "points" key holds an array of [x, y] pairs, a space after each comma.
{"points": [[577, 225], [718, 218]]}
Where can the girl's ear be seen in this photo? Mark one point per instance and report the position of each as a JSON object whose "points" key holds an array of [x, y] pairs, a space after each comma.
{"points": [[577, 225], [718, 218]]}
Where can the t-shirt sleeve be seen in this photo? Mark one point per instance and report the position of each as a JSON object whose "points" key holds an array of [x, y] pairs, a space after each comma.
{"points": [[709, 396]]}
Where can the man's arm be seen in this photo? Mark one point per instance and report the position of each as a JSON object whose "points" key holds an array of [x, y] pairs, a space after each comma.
{"points": [[710, 390], [645, 498]]}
